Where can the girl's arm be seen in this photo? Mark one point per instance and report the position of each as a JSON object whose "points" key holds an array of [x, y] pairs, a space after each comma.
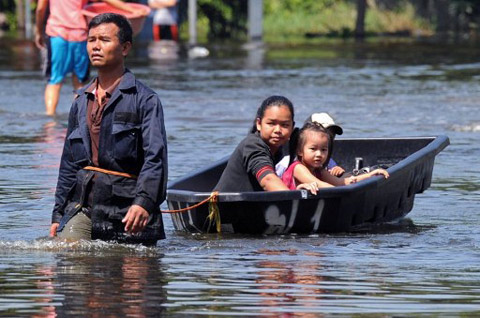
{"points": [[303, 176], [335, 181], [327, 177], [376, 172]]}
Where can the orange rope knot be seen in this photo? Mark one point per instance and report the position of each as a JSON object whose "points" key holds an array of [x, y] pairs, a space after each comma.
{"points": [[214, 212], [212, 198]]}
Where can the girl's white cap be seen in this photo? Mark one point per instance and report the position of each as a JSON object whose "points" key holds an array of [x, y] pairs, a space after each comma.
{"points": [[326, 121]]}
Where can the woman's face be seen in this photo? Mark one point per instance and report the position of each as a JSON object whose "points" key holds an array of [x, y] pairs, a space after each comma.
{"points": [[314, 152], [276, 126]]}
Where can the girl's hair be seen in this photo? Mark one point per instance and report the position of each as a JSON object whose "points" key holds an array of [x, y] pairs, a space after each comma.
{"points": [[269, 102], [315, 127]]}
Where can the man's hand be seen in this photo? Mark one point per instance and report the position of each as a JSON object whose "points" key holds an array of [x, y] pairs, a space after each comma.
{"points": [[39, 41], [40, 16], [136, 219], [53, 229]]}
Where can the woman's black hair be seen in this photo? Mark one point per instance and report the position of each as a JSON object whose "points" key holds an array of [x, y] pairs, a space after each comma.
{"points": [[125, 33], [316, 127], [274, 100]]}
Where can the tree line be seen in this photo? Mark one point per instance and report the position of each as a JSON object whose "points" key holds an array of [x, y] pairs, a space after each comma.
{"points": [[228, 19], [447, 16]]}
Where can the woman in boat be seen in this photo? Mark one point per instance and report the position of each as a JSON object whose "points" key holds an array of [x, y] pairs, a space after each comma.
{"points": [[313, 154], [251, 166]]}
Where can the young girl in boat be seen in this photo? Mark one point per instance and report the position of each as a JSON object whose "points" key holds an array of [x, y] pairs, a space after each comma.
{"points": [[333, 129], [251, 165], [313, 153]]}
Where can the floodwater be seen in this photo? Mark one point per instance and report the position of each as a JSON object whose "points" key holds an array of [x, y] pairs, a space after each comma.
{"points": [[427, 265]]}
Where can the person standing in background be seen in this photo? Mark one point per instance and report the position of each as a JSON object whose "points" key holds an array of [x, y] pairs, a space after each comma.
{"points": [[165, 19], [65, 43]]}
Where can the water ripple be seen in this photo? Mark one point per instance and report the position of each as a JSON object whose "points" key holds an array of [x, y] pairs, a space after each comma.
{"points": [[424, 266]]}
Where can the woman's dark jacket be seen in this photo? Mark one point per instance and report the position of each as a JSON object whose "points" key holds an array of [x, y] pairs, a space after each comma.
{"points": [[132, 140]]}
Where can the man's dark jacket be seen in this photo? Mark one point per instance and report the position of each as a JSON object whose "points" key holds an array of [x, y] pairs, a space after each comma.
{"points": [[132, 140]]}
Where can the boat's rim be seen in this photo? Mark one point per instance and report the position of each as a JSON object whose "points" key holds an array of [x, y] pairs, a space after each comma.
{"points": [[437, 144]]}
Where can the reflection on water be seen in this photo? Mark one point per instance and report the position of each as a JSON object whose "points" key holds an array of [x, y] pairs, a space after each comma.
{"points": [[118, 287], [298, 277], [18, 55], [163, 51], [425, 266]]}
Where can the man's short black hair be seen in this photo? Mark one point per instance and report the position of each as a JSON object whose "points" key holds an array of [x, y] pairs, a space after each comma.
{"points": [[125, 33]]}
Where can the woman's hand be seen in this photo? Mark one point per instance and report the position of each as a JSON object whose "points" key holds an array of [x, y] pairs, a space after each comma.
{"points": [[312, 187]]}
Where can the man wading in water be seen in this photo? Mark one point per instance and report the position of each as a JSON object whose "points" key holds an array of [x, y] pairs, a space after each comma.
{"points": [[113, 170]]}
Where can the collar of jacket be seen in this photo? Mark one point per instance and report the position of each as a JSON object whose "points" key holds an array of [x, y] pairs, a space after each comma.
{"points": [[127, 82]]}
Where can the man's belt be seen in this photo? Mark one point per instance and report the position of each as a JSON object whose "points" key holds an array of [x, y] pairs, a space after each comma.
{"points": [[115, 173]]}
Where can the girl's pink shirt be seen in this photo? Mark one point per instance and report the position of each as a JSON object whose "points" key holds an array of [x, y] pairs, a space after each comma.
{"points": [[288, 177], [66, 20]]}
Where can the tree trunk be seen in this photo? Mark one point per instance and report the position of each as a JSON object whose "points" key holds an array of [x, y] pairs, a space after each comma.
{"points": [[441, 7], [360, 24], [20, 10], [424, 9]]}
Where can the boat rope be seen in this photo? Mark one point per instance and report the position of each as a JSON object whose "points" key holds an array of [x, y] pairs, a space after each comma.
{"points": [[212, 199], [214, 213], [115, 173]]}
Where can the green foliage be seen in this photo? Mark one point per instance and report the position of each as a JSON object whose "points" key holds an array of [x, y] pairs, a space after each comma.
{"points": [[275, 6], [226, 19], [401, 18], [8, 8], [7, 5], [296, 18], [323, 16], [11, 21]]}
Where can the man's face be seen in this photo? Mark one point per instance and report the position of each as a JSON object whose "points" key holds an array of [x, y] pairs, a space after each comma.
{"points": [[104, 48]]}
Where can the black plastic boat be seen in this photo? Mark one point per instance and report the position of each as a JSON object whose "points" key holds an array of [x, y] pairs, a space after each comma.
{"points": [[341, 209]]}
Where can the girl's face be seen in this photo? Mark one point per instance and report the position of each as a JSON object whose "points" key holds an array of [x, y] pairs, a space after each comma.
{"points": [[314, 152], [276, 126]]}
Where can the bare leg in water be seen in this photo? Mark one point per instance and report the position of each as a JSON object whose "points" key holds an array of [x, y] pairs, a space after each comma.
{"points": [[52, 94]]}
